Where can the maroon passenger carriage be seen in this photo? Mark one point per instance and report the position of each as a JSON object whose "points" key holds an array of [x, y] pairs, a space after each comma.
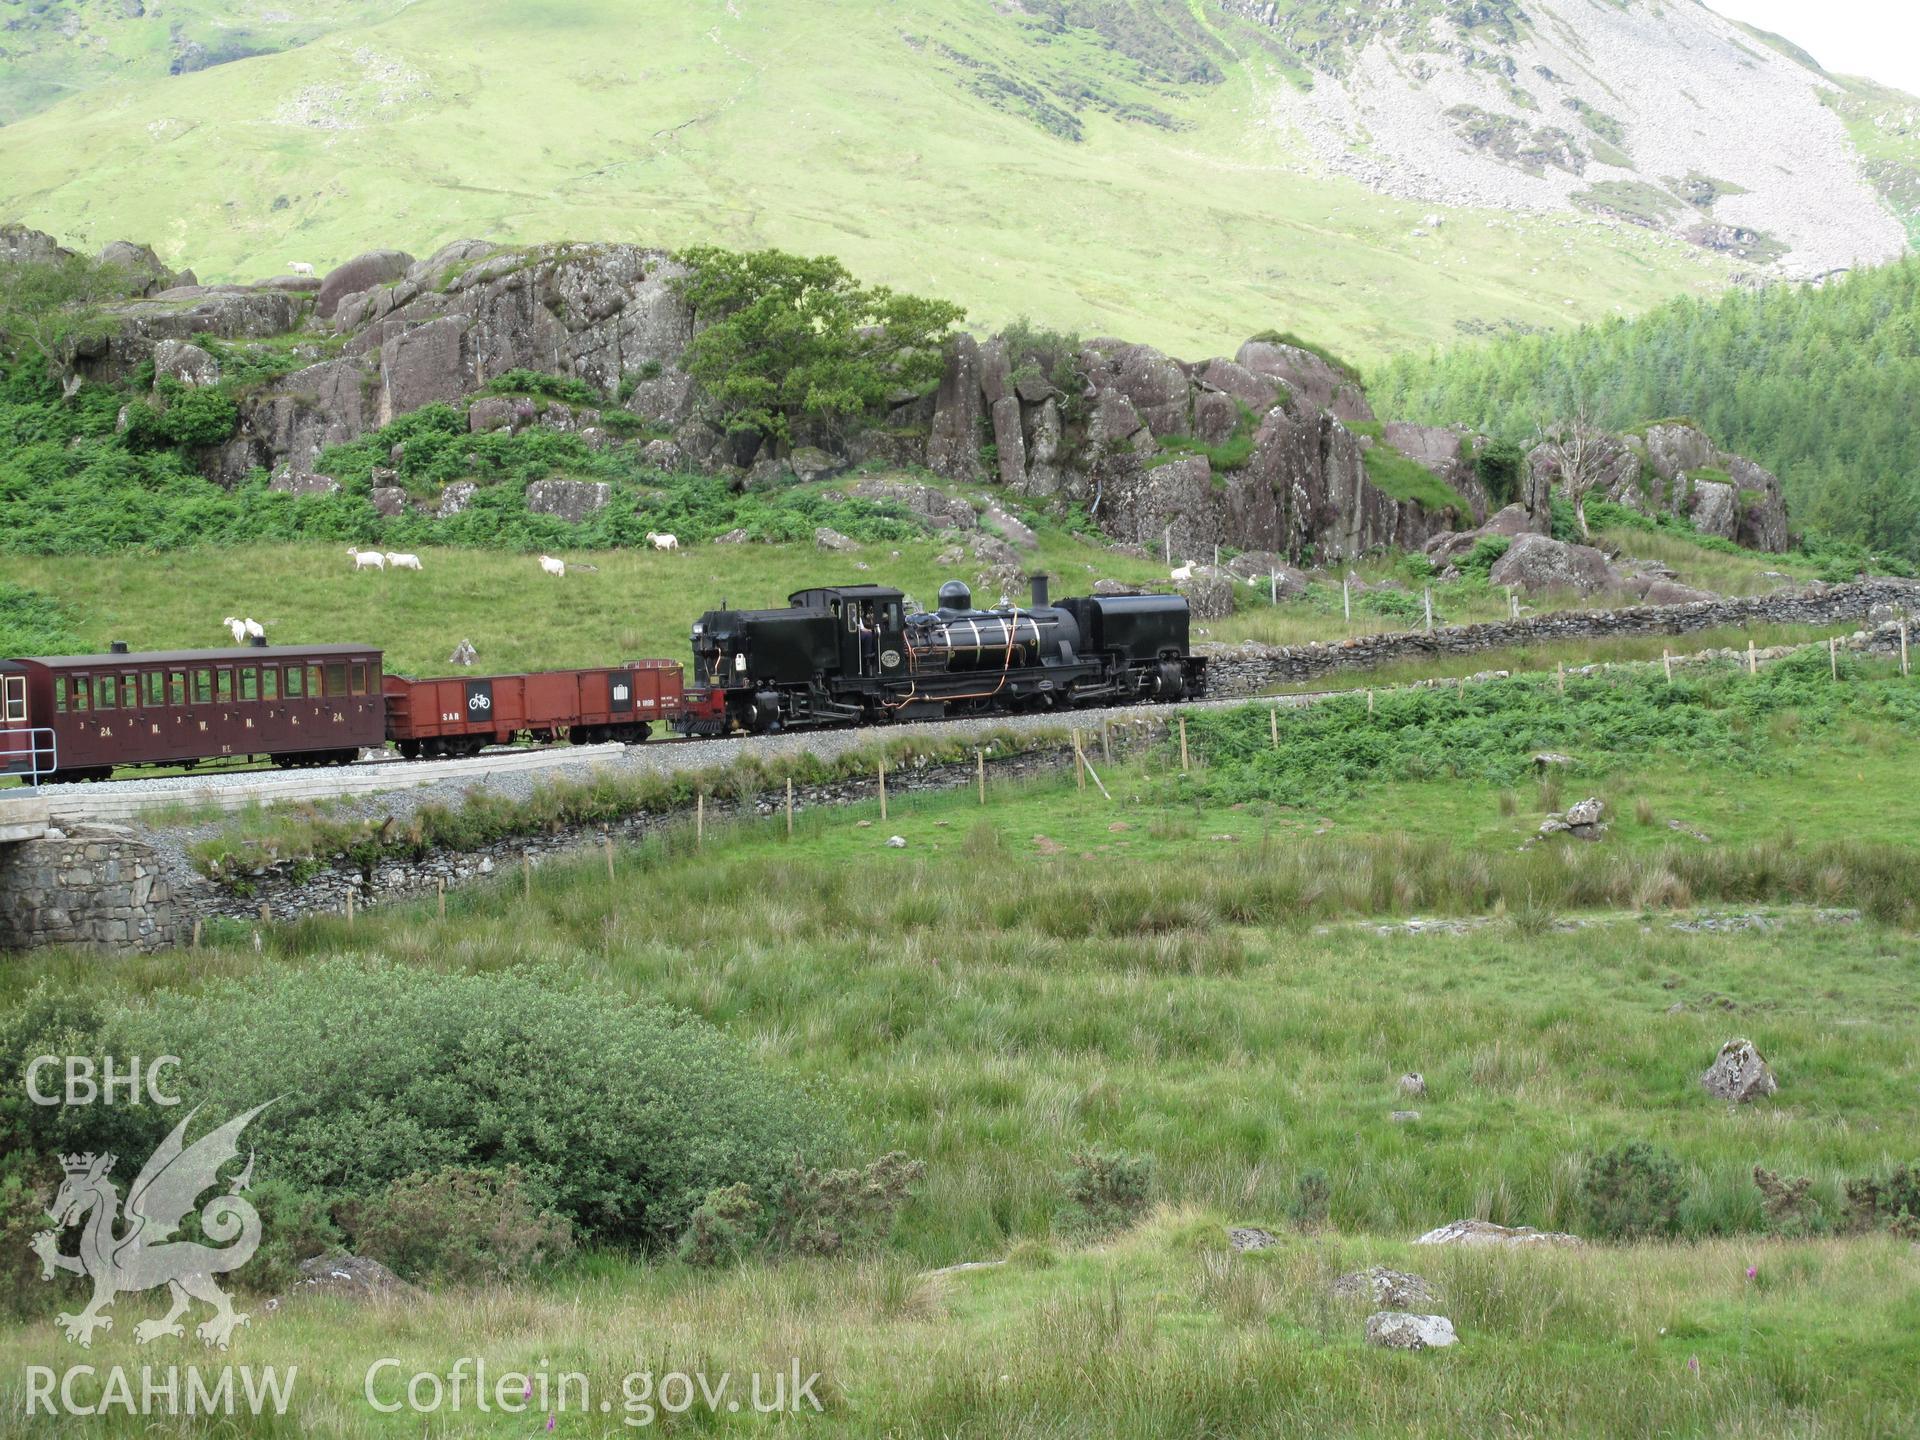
{"points": [[77, 717]]}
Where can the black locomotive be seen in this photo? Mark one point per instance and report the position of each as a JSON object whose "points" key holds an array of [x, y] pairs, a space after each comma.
{"points": [[852, 655]]}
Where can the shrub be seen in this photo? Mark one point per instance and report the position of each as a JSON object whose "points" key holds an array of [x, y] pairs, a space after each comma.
{"points": [[1107, 1189], [1789, 1205], [23, 1214], [295, 1224], [549, 387], [1500, 466], [722, 1228], [184, 415], [1312, 1200], [622, 1115], [1891, 1201], [823, 1212], [461, 1226], [1485, 554], [1633, 1191]]}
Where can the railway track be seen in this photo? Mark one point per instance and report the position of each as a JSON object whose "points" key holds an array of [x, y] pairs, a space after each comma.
{"points": [[114, 801]]}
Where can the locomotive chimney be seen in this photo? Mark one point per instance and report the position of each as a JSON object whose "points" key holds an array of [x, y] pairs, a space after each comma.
{"points": [[1040, 592], [116, 647]]}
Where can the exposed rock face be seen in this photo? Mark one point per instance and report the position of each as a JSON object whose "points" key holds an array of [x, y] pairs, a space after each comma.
{"points": [[953, 446], [829, 539], [146, 273], [1739, 1074], [227, 312], [1398, 1330], [1250, 1237], [1210, 593], [1485, 1232], [1537, 564], [571, 500]]}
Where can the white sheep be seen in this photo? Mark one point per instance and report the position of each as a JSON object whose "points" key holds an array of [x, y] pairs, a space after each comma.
{"points": [[402, 561], [1185, 572], [553, 566], [255, 630], [300, 267], [366, 559], [663, 542], [239, 629]]}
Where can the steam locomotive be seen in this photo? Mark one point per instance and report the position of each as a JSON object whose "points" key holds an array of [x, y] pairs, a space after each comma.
{"points": [[852, 655]]}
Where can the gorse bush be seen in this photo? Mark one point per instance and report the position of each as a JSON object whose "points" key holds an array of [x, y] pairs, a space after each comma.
{"points": [[1633, 1192], [460, 1226], [619, 1116], [1107, 1189]]}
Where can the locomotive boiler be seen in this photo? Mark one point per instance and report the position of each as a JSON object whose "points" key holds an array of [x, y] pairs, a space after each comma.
{"points": [[852, 654]]}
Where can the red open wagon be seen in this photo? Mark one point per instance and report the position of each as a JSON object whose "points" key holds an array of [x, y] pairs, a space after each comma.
{"points": [[460, 714]]}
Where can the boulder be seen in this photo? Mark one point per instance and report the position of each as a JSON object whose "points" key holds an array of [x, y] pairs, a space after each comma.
{"points": [[1671, 592], [1586, 812], [388, 500], [1485, 1232], [1413, 1085], [1739, 1074], [1044, 474], [347, 1277], [810, 462], [512, 413], [20, 245], [1156, 387], [433, 272], [1676, 448], [572, 500], [289, 483], [1268, 572], [732, 537], [1115, 587], [1115, 423], [1714, 509], [1399, 1330], [1210, 593], [1762, 521], [455, 498], [1215, 417], [185, 362], [1251, 1237], [828, 539], [363, 272], [1536, 563], [1259, 393], [1145, 503], [1393, 1289], [1308, 376], [145, 273], [664, 455]]}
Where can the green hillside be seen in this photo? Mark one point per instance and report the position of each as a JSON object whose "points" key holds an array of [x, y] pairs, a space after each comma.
{"points": [[1115, 176], [1818, 384]]}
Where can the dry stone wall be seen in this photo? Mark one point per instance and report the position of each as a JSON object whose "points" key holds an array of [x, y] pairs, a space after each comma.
{"points": [[98, 886]]}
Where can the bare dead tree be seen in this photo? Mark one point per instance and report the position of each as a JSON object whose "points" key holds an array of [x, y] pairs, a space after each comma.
{"points": [[1578, 450]]}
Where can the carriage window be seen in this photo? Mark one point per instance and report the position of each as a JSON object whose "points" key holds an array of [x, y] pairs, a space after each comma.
{"points": [[337, 678], [223, 679], [249, 683], [16, 698], [106, 693], [80, 689], [269, 684], [156, 688], [60, 693], [130, 691], [314, 689], [359, 677], [203, 687], [295, 689], [176, 687]]}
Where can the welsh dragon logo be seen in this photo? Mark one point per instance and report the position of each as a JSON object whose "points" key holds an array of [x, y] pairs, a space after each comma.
{"points": [[125, 1253]]}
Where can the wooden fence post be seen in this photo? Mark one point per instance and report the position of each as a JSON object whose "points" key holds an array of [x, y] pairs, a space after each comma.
{"points": [[1183, 744], [980, 772], [1513, 603], [1666, 661], [883, 788], [196, 932], [1273, 587], [1903, 648], [266, 913], [1753, 661], [1273, 725], [789, 809], [1106, 742], [349, 907], [1369, 702], [700, 820], [1346, 600], [440, 889], [608, 839], [1429, 598], [1560, 675], [1833, 655], [1079, 763], [1169, 542]]}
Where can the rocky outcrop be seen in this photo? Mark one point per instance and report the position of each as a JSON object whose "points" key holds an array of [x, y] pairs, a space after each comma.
{"points": [[363, 272], [1539, 565], [1308, 376], [1398, 1330], [572, 500], [1485, 1232]]}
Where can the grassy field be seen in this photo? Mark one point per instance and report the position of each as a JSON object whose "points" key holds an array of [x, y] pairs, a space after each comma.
{"points": [[1055, 970], [585, 119]]}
